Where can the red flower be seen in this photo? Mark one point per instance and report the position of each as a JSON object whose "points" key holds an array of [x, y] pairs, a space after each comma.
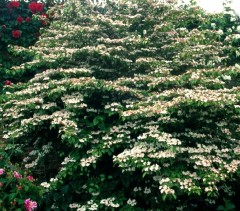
{"points": [[8, 83], [20, 19], [13, 4], [35, 7], [28, 19], [4, 27], [16, 33]]}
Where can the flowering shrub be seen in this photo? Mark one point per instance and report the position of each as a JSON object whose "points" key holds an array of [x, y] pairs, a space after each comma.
{"points": [[20, 22], [134, 106], [16, 187]]}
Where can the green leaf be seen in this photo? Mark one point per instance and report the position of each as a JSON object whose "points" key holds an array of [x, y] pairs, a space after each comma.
{"points": [[220, 207], [164, 197], [97, 120], [12, 196]]}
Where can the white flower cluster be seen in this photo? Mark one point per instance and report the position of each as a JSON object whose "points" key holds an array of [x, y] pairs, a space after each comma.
{"points": [[85, 162], [45, 184], [37, 155], [132, 202], [89, 206], [68, 160], [166, 190], [109, 202]]}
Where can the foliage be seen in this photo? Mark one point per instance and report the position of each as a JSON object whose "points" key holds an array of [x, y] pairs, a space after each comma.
{"points": [[228, 206], [133, 106]]}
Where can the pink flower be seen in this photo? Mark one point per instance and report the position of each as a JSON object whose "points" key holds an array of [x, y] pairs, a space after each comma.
{"points": [[1, 184], [30, 205], [1, 171], [30, 178], [8, 83], [45, 15], [17, 175]]}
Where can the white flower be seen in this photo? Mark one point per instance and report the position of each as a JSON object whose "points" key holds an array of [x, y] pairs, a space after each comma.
{"points": [[166, 190], [109, 202], [213, 25], [147, 190], [238, 29], [53, 179], [93, 207], [74, 205], [236, 36], [137, 189], [233, 19], [95, 194], [226, 77], [45, 184], [83, 208], [131, 202], [220, 32], [67, 160]]}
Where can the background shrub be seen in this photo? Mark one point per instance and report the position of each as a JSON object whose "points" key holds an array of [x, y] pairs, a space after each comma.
{"points": [[20, 24], [16, 186]]}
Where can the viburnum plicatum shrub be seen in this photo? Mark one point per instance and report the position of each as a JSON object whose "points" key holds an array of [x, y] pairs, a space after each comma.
{"points": [[134, 106]]}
